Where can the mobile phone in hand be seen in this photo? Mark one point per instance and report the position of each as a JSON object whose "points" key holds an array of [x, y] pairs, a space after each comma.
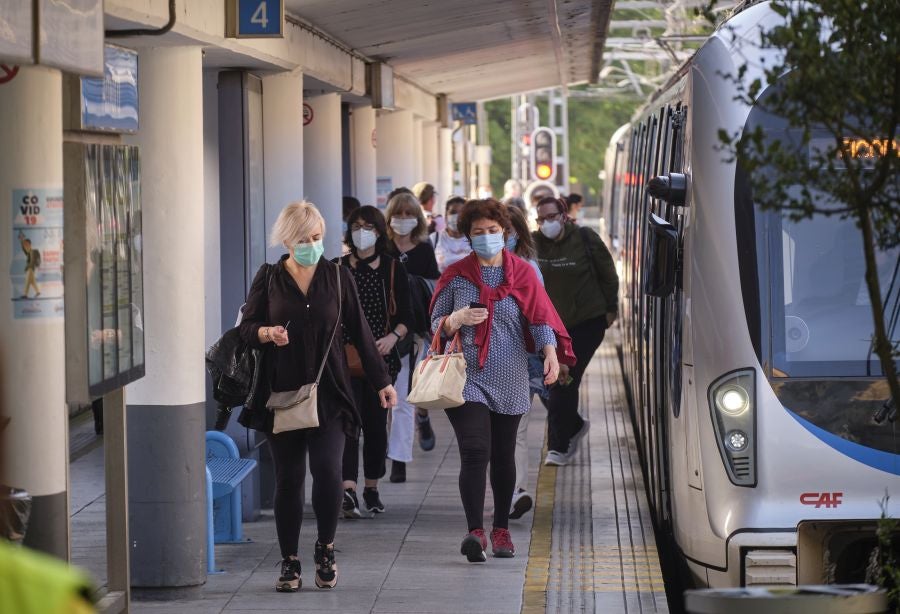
{"points": [[476, 305]]}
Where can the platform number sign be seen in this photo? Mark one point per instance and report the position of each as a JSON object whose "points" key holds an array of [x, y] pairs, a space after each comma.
{"points": [[255, 18]]}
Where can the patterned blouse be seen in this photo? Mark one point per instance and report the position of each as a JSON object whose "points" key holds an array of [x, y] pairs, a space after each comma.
{"points": [[502, 384], [370, 285]]}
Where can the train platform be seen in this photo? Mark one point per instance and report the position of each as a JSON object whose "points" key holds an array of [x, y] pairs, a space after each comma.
{"points": [[587, 546]]}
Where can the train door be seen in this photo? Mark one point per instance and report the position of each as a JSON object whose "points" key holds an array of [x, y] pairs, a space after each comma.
{"points": [[649, 310], [668, 324], [657, 318]]}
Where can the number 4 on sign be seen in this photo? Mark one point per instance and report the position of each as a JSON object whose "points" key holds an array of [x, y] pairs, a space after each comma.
{"points": [[260, 15], [255, 18]]}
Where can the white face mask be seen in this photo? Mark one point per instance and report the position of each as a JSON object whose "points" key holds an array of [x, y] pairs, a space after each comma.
{"points": [[552, 229], [364, 239], [452, 220], [404, 226]]}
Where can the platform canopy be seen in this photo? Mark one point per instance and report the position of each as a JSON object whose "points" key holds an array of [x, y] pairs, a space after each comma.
{"points": [[470, 49]]}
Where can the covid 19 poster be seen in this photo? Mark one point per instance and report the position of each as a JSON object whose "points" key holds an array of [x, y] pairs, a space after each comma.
{"points": [[36, 269]]}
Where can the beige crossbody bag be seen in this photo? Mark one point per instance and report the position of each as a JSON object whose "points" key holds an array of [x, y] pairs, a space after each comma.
{"points": [[299, 409]]}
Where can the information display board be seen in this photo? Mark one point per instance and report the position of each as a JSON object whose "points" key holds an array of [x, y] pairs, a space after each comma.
{"points": [[103, 269]]}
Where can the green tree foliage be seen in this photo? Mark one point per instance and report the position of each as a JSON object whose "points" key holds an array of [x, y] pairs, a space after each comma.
{"points": [[500, 140], [592, 122], [835, 86], [591, 125], [884, 568]]}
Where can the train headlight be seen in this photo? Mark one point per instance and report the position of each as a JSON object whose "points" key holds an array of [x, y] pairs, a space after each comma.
{"points": [[732, 400], [736, 441], [733, 412]]}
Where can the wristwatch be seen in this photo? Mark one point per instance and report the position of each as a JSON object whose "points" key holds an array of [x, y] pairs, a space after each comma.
{"points": [[396, 334]]}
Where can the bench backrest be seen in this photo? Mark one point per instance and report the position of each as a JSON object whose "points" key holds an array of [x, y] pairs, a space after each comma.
{"points": [[220, 445]]}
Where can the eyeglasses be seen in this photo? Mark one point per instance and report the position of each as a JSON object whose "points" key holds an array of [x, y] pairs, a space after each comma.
{"points": [[362, 227], [548, 218]]}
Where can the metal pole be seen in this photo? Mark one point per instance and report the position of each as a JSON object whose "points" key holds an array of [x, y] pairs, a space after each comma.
{"points": [[514, 132], [564, 104], [115, 455]]}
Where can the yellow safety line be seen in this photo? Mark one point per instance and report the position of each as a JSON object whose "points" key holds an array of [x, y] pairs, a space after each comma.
{"points": [[537, 572]]}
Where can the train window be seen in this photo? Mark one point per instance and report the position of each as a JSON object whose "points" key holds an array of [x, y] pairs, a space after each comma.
{"points": [[807, 278]]}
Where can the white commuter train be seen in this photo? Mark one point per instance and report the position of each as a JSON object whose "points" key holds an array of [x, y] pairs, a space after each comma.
{"points": [[745, 344]]}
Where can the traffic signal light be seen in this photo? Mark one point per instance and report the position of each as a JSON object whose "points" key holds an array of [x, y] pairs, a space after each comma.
{"points": [[543, 154]]}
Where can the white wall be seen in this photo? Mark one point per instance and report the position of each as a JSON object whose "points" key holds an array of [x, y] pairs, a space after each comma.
{"points": [[394, 157], [282, 146], [322, 164], [362, 129]]}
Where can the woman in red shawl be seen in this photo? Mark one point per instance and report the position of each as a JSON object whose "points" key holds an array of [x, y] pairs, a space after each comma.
{"points": [[494, 299]]}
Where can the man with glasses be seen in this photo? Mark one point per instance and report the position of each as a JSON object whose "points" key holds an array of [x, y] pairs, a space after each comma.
{"points": [[581, 280]]}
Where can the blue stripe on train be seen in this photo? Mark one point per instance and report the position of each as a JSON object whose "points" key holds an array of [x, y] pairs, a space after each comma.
{"points": [[878, 459]]}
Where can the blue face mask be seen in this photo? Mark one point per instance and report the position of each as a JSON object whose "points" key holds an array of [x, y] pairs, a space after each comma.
{"points": [[488, 246], [307, 254], [511, 243]]}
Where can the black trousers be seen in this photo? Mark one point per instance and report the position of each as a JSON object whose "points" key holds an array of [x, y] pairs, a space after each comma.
{"points": [[563, 420], [325, 446], [485, 437], [374, 430]]}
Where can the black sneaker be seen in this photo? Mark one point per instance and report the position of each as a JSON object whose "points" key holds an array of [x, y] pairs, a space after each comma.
{"points": [[326, 568], [426, 433], [289, 581], [473, 546], [372, 500], [521, 503], [398, 472], [350, 506]]}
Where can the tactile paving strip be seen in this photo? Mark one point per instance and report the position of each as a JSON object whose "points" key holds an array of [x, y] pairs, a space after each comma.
{"points": [[596, 552]]}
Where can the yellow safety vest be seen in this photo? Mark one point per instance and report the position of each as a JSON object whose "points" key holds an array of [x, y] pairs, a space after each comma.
{"points": [[35, 583]]}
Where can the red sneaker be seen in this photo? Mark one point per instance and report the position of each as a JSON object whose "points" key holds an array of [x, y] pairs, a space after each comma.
{"points": [[474, 545], [501, 543]]}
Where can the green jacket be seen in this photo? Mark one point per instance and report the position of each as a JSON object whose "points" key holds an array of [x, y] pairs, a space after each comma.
{"points": [[35, 583], [579, 291]]}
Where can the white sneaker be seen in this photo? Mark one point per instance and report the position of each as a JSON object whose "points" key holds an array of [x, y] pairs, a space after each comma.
{"points": [[556, 459], [573, 443]]}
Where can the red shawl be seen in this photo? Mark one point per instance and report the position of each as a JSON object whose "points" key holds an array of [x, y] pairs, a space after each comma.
{"points": [[521, 282]]}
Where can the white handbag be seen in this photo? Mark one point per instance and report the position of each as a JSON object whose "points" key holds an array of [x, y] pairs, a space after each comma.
{"points": [[439, 379], [299, 409]]}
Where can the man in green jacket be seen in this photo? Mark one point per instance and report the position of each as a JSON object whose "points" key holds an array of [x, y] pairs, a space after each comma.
{"points": [[580, 277]]}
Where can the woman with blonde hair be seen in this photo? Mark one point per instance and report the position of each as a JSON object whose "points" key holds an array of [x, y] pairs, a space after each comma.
{"points": [[301, 290], [407, 232]]}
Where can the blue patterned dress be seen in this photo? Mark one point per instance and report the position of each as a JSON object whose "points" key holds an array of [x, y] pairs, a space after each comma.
{"points": [[502, 384]]}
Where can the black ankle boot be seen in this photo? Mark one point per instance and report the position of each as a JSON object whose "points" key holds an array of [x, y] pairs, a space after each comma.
{"points": [[398, 472]]}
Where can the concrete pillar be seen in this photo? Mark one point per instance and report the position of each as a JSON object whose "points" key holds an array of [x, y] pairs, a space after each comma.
{"points": [[417, 151], [282, 97], [32, 336], [322, 166], [364, 139], [430, 156], [445, 163], [166, 421], [395, 148]]}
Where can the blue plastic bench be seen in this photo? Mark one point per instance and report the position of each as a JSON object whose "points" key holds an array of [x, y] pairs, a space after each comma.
{"points": [[225, 470]]}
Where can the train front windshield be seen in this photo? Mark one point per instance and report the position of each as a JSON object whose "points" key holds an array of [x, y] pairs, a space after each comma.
{"points": [[804, 284], [820, 315]]}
